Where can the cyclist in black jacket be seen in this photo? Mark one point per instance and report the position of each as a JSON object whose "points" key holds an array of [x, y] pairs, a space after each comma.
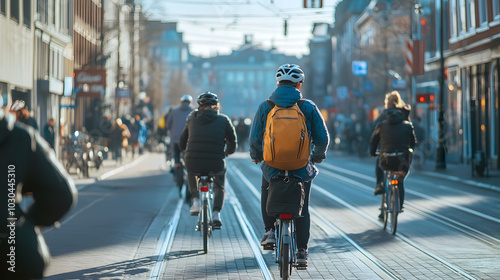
{"points": [[208, 138], [393, 102], [397, 140]]}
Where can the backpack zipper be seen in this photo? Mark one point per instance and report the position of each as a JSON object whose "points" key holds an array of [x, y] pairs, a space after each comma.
{"points": [[302, 134]]}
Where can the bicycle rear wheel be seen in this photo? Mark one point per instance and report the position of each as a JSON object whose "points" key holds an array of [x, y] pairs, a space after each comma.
{"points": [[394, 209], [204, 213], [285, 260]]}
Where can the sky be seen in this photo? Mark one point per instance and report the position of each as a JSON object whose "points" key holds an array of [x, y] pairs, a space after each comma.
{"points": [[214, 27]]}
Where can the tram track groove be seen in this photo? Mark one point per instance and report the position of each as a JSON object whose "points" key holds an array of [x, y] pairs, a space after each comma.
{"points": [[364, 256]]}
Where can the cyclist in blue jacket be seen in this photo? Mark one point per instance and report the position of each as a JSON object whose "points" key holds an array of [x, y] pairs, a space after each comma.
{"points": [[289, 78]]}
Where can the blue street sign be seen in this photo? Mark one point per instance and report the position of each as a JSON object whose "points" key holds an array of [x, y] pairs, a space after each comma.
{"points": [[359, 68]]}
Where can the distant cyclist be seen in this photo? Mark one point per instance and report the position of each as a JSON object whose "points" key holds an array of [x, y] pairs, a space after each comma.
{"points": [[289, 78], [397, 139], [208, 138], [393, 102], [176, 121]]}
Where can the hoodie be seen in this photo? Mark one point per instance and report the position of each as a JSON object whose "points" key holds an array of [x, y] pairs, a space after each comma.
{"points": [[286, 96], [207, 138], [395, 133]]}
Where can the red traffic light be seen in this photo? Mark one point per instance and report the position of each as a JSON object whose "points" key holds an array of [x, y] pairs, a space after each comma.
{"points": [[425, 98]]}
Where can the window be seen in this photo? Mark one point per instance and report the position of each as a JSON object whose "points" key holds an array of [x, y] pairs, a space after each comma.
{"points": [[41, 10], [453, 18], [14, 10], [483, 13], [2, 7], [496, 7], [27, 13], [471, 14], [462, 24]]}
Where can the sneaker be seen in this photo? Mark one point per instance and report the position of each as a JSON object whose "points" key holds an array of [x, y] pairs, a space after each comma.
{"points": [[269, 238], [195, 209], [216, 219], [302, 258], [381, 217], [379, 189]]}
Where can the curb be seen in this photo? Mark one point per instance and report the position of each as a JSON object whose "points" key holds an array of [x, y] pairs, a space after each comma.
{"points": [[460, 180]]}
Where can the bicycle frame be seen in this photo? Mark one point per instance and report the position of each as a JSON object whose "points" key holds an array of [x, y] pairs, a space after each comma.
{"points": [[390, 199], [205, 221]]}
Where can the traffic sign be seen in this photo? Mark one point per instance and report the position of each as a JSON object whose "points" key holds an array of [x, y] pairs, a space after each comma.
{"points": [[359, 68]]}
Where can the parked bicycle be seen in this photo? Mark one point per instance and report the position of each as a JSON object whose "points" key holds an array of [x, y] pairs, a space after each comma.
{"points": [[205, 222], [391, 205]]}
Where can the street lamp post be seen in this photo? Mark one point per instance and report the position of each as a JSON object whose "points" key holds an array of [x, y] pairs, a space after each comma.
{"points": [[440, 152]]}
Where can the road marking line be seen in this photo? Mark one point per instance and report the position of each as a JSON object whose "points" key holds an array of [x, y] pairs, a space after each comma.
{"points": [[166, 240], [439, 201], [249, 232], [122, 168]]}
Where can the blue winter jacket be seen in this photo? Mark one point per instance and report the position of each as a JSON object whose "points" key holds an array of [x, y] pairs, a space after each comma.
{"points": [[286, 96]]}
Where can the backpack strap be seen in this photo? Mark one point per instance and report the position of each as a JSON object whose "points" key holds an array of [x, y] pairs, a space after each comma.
{"points": [[270, 104]]}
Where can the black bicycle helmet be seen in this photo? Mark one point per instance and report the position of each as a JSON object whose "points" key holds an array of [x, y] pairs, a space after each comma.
{"points": [[208, 98]]}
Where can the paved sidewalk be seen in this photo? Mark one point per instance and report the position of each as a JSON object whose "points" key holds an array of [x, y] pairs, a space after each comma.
{"points": [[109, 167], [463, 173]]}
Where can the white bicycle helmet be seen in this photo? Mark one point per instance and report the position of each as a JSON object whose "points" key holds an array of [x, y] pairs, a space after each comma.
{"points": [[290, 72], [187, 98]]}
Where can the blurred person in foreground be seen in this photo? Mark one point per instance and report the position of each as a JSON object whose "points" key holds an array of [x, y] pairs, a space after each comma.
{"points": [[22, 114], [29, 168]]}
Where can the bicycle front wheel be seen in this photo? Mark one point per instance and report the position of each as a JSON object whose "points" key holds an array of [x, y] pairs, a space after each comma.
{"points": [[394, 209], [383, 208], [204, 213]]}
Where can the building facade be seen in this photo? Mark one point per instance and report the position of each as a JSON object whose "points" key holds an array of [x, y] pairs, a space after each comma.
{"points": [[89, 76], [16, 52], [53, 58], [473, 83]]}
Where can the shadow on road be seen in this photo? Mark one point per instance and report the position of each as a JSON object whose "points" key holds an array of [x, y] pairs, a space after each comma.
{"points": [[118, 270]]}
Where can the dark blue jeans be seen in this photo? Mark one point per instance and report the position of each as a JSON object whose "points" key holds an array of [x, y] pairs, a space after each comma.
{"points": [[302, 224]]}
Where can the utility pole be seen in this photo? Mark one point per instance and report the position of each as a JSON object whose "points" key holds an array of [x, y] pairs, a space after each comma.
{"points": [[440, 152]]}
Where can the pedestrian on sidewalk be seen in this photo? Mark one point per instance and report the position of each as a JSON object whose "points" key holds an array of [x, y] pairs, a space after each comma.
{"points": [[118, 139], [26, 160], [48, 132]]}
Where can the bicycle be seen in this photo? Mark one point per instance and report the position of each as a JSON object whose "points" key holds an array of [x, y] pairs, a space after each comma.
{"points": [[390, 199], [205, 222], [285, 245]]}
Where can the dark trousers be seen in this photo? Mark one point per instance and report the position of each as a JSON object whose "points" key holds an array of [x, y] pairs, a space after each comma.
{"points": [[302, 224], [219, 192], [177, 153], [379, 173]]}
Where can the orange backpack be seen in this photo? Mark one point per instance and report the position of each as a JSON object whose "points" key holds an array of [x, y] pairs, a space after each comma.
{"points": [[286, 140]]}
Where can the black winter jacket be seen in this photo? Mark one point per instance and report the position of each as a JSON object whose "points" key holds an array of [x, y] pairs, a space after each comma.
{"points": [[395, 134], [207, 138], [27, 160]]}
